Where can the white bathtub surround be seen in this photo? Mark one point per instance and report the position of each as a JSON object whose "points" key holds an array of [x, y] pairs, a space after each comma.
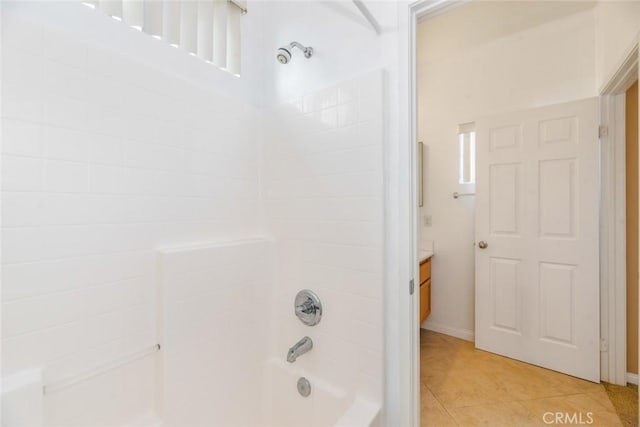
{"points": [[114, 398], [103, 160], [361, 412], [323, 202], [215, 313], [22, 400], [218, 324]]}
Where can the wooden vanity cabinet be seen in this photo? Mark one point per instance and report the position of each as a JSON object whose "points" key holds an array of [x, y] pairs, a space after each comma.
{"points": [[425, 289]]}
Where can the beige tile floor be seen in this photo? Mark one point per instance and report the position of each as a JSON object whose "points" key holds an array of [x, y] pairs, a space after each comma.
{"points": [[462, 386]]}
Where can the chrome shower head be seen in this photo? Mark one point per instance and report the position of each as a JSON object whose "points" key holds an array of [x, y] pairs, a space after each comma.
{"points": [[283, 54]]}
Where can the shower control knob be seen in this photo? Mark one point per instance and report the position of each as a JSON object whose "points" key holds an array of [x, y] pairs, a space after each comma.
{"points": [[308, 307]]}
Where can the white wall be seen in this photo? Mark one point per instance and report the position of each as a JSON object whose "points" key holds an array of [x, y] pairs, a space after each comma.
{"points": [[95, 28], [344, 44], [477, 60], [104, 158], [617, 30], [323, 192]]}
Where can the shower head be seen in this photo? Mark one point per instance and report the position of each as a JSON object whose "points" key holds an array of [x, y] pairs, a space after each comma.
{"points": [[283, 54]]}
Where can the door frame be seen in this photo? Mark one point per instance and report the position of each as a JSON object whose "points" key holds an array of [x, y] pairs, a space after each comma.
{"points": [[613, 292], [414, 12]]}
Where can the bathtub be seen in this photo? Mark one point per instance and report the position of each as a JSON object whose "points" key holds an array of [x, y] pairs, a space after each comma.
{"points": [[327, 405], [278, 405], [216, 366]]}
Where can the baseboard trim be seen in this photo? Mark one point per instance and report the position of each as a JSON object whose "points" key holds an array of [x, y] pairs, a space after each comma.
{"points": [[632, 378], [464, 334]]}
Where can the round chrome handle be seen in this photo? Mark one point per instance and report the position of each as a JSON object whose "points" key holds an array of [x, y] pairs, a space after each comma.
{"points": [[308, 307], [482, 244]]}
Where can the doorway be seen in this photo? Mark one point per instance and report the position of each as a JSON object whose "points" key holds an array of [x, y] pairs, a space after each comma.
{"points": [[452, 316]]}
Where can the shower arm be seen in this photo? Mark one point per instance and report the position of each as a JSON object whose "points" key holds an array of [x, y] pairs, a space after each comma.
{"points": [[308, 51]]}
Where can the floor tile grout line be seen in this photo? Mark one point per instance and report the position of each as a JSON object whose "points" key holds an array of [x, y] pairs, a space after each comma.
{"points": [[441, 403], [584, 390]]}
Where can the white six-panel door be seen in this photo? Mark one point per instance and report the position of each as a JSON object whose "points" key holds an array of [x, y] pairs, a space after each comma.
{"points": [[537, 286]]}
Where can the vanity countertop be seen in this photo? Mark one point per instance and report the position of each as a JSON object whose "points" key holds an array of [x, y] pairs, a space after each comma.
{"points": [[424, 255]]}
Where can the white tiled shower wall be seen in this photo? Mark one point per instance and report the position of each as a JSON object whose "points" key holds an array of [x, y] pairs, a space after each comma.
{"points": [[323, 195], [104, 159], [215, 331]]}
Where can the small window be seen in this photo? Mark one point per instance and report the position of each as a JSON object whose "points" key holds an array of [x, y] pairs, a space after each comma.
{"points": [[208, 29], [467, 153]]}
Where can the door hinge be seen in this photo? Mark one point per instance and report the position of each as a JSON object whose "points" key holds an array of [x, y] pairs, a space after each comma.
{"points": [[603, 131], [411, 287], [604, 344]]}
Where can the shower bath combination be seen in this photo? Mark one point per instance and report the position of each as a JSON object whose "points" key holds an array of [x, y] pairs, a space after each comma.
{"points": [[308, 308], [175, 307], [284, 53]]}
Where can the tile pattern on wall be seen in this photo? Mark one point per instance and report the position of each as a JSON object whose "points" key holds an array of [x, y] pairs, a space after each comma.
{"points": [[214, 309], [323, 195], [104, 159]]}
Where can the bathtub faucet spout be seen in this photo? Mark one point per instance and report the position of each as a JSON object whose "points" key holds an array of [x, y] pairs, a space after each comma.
{"points": [[299, 348]]}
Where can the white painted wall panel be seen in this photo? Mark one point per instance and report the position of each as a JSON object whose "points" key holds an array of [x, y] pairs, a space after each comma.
{"points": [[617, 30]]}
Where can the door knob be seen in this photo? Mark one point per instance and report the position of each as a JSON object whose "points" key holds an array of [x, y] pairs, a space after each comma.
{"points": [[482, 244]]}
